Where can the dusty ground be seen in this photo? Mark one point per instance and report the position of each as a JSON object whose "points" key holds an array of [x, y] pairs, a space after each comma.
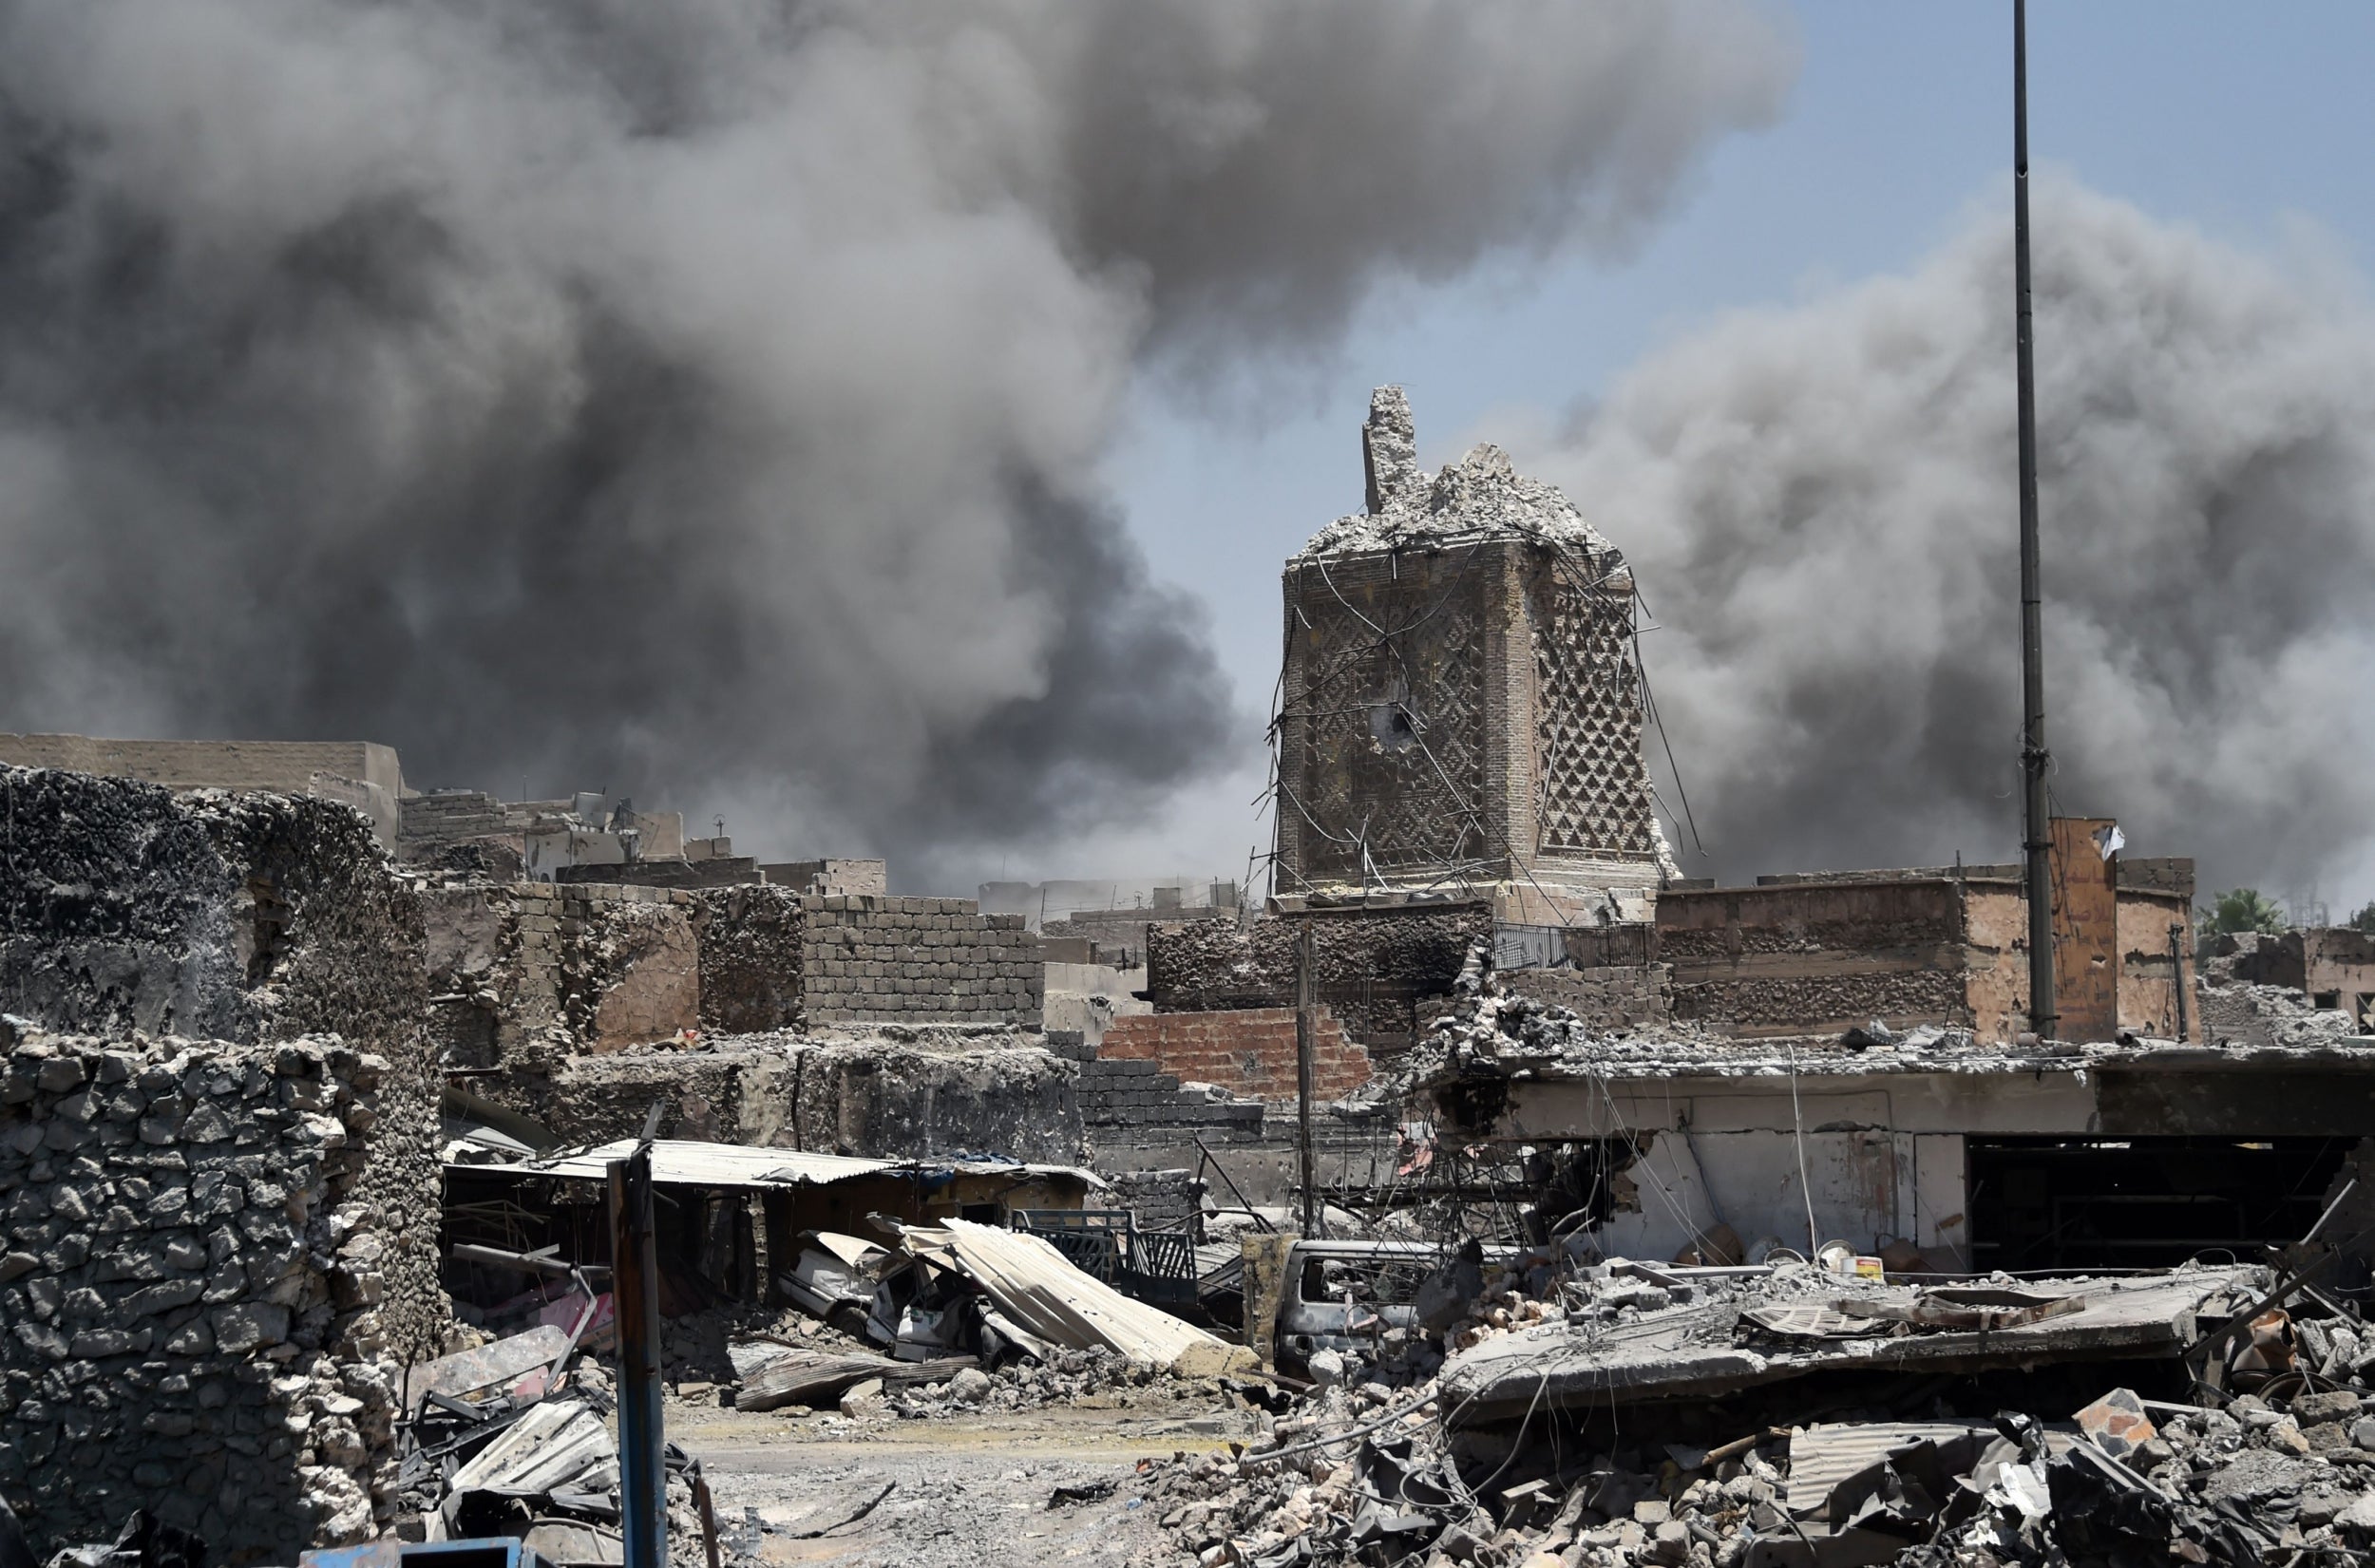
{"points": [[966, 1491]]}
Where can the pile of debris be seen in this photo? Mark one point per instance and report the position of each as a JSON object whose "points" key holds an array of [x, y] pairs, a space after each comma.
{"points": [[1579, 1419], [959, 1316], [2247, 1012]]}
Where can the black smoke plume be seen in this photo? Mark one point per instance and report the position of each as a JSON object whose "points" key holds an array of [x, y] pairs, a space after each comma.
{"points": [[705, 399], [1821, 504]]}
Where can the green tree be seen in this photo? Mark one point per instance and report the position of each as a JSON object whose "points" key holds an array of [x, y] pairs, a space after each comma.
{"points": [[2244, 909], [2365, 920]]}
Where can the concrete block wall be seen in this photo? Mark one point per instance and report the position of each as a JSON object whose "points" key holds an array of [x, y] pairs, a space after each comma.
{"points": [[874, 958], [1162, 1200], [1134, 1096], [450, 816], [828, 877], [203, 1288], [1249, 1051]]}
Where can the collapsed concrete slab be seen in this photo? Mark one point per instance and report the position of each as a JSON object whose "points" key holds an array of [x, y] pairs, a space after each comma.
{"points": [[1702, 1350]]}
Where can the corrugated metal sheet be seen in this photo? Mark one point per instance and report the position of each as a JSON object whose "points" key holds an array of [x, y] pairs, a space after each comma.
{"points": [[682, 1162], [1823, 1455], [1033, 1284]]}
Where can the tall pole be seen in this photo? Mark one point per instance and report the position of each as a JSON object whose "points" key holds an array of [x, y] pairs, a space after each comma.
{"points": [[2036, 821], [634, 1287], [1303, 1024]]}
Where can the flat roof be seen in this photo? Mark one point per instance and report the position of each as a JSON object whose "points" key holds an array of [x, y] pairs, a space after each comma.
{"points": [[691, 1163]]}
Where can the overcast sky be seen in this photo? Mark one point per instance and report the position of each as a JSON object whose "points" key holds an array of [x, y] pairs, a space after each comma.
{"points": [[2249, 124]]}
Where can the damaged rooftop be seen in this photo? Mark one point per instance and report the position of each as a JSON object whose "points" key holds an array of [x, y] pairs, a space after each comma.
{"points": [[385, 1170]]}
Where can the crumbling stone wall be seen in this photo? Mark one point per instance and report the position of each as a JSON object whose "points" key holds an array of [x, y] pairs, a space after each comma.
{"points": [[905, 1092], [1817, 957], [124, 906], [1373, 966], [751, 944], [532, 966], [206, 1288], [1608, 997], [130, 910], [1249, 1051], [867, 959]]}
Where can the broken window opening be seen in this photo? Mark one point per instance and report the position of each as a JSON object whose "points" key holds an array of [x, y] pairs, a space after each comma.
{"points": [[1390, 727], [2067, 1204]]}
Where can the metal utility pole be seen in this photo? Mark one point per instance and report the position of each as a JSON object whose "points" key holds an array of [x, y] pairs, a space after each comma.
{"points": [[1303, 1030], [635, 1285], [2036, 821]]}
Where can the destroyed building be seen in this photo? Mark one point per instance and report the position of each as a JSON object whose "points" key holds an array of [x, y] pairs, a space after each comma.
{"points": [[1461, 707]]}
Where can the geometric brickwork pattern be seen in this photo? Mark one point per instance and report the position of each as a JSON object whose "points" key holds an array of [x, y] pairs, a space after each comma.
{"points": [[1592, 793], [1392, 730]]}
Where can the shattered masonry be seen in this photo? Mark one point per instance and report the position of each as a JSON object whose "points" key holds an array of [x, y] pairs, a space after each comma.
{"points": [[1461, 705]]}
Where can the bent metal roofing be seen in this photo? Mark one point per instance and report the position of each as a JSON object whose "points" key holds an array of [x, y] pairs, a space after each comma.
{"points": [[682, 1162]]}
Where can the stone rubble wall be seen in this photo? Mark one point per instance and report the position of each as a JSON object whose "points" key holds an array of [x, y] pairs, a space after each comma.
{"points": [[128, 906], [1608, 997], [1248, 1051], [981, 1092], [204, 1289], [1372, 966], [577, 968], [753, 940], [869, 959]]}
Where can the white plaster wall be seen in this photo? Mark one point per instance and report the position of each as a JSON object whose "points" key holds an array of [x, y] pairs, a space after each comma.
{"points": [[1866, 1184], [1911, 1102]]}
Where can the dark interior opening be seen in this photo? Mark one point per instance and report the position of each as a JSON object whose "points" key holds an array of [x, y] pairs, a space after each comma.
{"points": [[2143, 1202]]}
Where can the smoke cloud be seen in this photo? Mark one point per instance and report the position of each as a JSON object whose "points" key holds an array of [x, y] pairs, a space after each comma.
{"points": [[705, 399], [1821, 504]]}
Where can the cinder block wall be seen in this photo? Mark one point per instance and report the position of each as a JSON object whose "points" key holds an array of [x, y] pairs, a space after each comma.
{"points": [[1249, 1051], [873, 958], [203, 1289]]}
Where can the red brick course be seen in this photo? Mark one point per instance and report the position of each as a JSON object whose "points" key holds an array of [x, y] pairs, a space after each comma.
{"points": [[1249, 1051]]}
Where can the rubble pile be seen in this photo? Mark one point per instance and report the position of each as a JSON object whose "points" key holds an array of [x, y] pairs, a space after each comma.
{"points": [[193, 1284], [1371, 1473], [1481, 493], [1066, 1377], [2249, 1013]]}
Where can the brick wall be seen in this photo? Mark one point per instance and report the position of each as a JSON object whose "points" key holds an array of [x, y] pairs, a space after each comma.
{"points": [[1249, 1051], [873, 958]]}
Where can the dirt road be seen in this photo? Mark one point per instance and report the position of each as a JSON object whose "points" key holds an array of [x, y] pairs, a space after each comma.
{"points": [[967, 1491]]}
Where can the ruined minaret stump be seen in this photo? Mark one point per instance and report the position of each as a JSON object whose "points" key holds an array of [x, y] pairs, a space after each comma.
{"points": [[1462, 710]]}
